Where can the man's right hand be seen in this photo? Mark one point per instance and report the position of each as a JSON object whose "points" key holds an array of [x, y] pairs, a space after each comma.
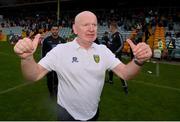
{"points": [[25, 48]]}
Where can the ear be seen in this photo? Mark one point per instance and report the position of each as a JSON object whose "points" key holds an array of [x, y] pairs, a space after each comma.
{"points": [[74, 29]]}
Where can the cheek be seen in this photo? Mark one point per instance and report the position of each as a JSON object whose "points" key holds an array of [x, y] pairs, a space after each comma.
{"points": [[79, 31]]}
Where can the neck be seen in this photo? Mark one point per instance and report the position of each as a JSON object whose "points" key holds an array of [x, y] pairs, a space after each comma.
{"points": [[55, 37], [84, 44]]}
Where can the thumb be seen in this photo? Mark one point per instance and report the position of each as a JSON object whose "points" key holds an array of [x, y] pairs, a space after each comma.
{"points": [[36, 41], [132, 45]]}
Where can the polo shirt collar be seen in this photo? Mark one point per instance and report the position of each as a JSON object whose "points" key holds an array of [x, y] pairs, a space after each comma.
{"points": [[77, 46]]}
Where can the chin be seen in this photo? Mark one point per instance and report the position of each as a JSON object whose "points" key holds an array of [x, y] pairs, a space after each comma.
{"points": [[91, 40]]}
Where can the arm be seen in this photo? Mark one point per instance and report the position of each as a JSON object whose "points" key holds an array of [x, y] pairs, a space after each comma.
{"points": [[31, 70], [128, 71], [142, 52], [25, 49]]}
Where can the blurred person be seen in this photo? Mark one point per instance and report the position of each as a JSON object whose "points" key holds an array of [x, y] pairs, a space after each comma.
{"points": [[171, 47], [159, 48], [146, 33], [115, 45], [80, 66], [49, 43], [139, 34], [160, 44], [12, 38]]}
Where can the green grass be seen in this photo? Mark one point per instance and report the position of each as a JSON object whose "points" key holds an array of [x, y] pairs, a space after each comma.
{"points": [[150, 97], [30, 102]]}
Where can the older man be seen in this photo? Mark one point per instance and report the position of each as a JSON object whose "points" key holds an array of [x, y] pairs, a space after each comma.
{"points": [[81, 73]]}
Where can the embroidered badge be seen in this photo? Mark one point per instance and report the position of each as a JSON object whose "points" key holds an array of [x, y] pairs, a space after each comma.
{"points": [[96, 58], [74, 59]]}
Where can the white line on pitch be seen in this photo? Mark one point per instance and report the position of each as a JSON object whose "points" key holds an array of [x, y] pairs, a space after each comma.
{"points": [[13, 88], [156, 85]]}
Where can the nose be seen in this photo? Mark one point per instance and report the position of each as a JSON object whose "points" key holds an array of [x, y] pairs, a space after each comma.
{"points": [[91, 28]]}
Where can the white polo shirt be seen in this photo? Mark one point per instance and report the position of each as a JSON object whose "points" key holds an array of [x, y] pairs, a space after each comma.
{"points": [[81, 75]]}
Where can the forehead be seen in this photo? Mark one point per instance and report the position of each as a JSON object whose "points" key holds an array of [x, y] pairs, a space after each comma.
{"points": [[86, 17], [88, 20]]}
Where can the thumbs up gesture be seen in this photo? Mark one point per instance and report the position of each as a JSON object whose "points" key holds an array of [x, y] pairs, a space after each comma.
{"points": [[141, 51], [25, 48]]}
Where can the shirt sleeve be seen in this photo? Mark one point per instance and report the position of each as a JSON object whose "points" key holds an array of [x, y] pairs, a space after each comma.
{"points": [[49, 61], [110, 59]]}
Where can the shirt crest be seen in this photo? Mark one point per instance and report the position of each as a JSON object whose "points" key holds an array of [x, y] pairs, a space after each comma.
{"points": [[96, 58]]}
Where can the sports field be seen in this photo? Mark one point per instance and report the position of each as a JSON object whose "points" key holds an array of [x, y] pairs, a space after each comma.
{"points": [[152, 95]]}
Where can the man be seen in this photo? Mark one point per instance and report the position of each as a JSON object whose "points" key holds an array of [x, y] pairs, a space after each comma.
{"points": [[49, 43], [81, 73], [147, 34], [115, 45], [171, 48]]}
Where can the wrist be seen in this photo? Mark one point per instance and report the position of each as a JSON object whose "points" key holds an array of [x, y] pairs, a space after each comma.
{"points": [[27, 58], [137, 62]]}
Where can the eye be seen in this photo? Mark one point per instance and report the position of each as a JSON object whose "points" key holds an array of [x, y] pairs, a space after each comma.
{"points": [[86, 25], [95, 25]]}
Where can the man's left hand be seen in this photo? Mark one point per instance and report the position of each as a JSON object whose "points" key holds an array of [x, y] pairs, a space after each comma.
{"points": [[141, 51]]}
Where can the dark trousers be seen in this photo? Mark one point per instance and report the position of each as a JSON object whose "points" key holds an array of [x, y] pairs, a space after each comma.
{"points": [[63, 115], [52, 83]]}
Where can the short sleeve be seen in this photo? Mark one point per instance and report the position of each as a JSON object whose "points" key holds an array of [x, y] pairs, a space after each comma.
{"points": [[49, 61], [110, 60]]}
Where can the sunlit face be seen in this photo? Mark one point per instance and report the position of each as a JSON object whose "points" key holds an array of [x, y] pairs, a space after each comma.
{"points": [[86, 27], [54, 31]]}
